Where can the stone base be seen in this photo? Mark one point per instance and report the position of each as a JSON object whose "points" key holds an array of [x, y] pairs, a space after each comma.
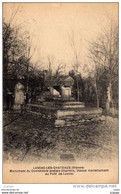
{"points": [[80, 111], [73, 105], [65, 116]]}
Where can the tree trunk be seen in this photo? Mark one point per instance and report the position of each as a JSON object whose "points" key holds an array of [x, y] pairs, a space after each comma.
{"points": [[27, 86], [109, 97], [97, 96], [77, 91], [27, 81]]}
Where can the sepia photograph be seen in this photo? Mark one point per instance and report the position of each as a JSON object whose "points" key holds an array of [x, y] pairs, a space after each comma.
{"points": [[60, 77]]}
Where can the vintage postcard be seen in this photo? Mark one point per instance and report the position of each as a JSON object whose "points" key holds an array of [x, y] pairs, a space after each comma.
{"points": [[60, 92]]}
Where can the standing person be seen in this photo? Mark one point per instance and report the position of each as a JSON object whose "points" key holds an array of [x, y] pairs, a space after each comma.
{"points": [[19, 97]]}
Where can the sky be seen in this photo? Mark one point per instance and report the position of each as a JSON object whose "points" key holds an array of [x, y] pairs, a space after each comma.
{"points": [[52, 25]]}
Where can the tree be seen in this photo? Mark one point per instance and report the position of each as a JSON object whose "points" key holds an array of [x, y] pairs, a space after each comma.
{"points": [[60, 69], [11, 43], [17, 53], [76, 64], [104, 55], [13, 50], [78, 87], [50, 62], [89, 92]]}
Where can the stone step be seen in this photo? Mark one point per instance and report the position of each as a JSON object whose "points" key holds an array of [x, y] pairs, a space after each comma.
{"points": [[74, 112], [73, 103], [73, 106], [41, 106]]}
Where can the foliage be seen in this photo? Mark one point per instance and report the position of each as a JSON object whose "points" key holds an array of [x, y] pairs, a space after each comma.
{"points": [[78, 87], [89, 92], [16, 59], [13, 49], [104, 54]]}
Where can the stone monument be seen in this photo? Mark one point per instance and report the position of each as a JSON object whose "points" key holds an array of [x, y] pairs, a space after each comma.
{"points": [[19, 96], [60, 106]]}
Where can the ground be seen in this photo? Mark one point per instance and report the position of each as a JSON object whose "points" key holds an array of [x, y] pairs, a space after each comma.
{"points": [[30, 137]]}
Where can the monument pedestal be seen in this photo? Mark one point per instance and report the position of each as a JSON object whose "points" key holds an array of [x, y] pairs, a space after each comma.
{"points": [[65, 114]]}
